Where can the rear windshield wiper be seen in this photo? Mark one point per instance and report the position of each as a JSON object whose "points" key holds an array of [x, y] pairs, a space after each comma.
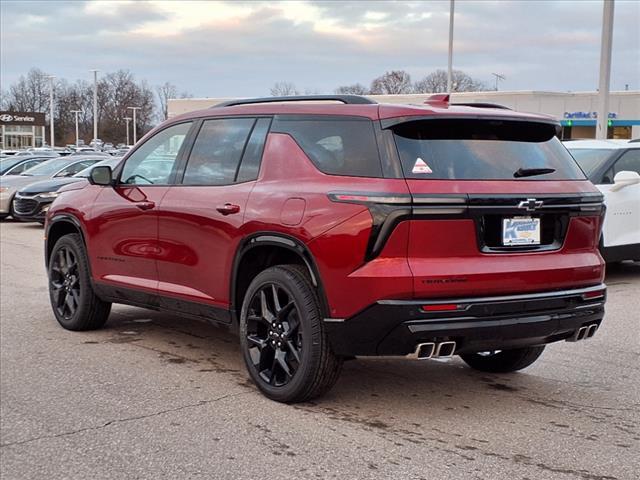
{"points": [[531, 172]]}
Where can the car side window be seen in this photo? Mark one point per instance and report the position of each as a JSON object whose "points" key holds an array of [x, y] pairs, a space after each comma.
{"points": [[217, 151], [74, 168], [250, 165], [153, 162], [18, 169], [629, 161]]}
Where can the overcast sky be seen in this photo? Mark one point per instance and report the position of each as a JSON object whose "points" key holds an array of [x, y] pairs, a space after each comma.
{"points": [[224, 49]]}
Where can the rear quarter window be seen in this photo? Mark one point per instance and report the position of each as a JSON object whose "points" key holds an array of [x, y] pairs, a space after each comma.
{"points": [[336, 145], [483, 150]]}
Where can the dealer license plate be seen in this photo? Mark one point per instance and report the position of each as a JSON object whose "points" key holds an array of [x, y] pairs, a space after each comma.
{"points": [[521, 231]]}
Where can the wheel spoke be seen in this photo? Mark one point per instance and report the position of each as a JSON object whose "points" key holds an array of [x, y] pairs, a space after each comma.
{"points": [[69, 302], [69, 259], [276, 300], [256, 341], [294, 351], [266, 314], [272, 373], [280, 358], [62, 261], [285, 311]]}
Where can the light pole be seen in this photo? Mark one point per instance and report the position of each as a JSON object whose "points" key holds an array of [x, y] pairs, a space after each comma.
{"points": [[95, 105], [77, 136], [605, 70], [51, 77], [498, 76], [135, 131], [127, 119], [450, 69]]}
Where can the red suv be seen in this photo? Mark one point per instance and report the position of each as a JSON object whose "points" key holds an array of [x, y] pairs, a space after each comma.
{"points": [[328, 227]]}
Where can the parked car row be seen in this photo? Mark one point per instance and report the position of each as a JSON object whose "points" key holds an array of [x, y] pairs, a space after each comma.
{"points": [[25, 193], [106, 148]]}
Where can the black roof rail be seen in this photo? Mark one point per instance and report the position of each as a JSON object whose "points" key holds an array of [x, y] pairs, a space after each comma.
{"points": [[482, 105], [346, 99]]}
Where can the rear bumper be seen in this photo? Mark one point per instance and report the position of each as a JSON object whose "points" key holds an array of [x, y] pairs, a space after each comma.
{"points": [[395, 327]]}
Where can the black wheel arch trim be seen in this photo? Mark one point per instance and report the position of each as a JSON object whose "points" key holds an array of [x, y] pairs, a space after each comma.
{"points": [[276, 239], [68, 218]]}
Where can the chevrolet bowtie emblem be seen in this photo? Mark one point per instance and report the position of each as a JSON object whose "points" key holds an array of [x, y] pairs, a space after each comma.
{"points": [[530, 204]]}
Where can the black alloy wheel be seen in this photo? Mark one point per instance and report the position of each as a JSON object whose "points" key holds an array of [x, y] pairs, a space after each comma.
{"points": [[282, 337], [65, 283], [74, 303], [274, 336]]}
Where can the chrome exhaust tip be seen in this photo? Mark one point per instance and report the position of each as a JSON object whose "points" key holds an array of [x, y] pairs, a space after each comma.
{"points": [[591, 330], [445, 349], [423, 351], [580, 334]]}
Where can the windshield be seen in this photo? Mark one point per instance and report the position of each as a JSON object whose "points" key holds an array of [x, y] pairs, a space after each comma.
{"points": [[590, 159], [112, 162], [483, 150], [49, 167]]}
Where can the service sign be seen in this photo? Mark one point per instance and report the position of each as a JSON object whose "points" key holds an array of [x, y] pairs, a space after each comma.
{"points": [[22, 118]]}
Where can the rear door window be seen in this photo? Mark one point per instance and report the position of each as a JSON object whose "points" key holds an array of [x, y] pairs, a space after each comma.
{"points": [[336, 145], [217, 151], [250, 166], [483, 150]]}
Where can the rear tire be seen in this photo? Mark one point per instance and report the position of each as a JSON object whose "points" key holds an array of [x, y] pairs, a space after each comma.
{"points": [[282, 337], [503, 361], [75, 304]]}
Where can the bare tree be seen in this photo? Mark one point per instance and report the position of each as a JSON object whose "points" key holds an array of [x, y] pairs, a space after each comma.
{"points": [[436, 82], [284, 89], [355, 89], [30, 93], [392, 83], [165, 92]]}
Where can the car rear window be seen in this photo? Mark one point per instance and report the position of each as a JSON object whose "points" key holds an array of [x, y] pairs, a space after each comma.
{"points": [[336, 145], [483, 150]]}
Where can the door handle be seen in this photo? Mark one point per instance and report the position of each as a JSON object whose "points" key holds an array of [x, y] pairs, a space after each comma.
{"points": [[228, 209], [145, 205]]}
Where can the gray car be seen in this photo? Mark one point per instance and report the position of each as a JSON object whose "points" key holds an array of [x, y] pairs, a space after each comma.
{"points": [[54, 168]]}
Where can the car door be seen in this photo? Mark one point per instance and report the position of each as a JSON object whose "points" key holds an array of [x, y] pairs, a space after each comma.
{"points": [[622, 220], [200, 219], [124, 223]]}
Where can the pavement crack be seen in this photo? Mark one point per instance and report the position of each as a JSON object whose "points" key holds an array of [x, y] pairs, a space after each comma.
{"points": [[124, 420]]}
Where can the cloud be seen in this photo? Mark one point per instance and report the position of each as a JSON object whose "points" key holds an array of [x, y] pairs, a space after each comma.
{"points": [[242, 48]]}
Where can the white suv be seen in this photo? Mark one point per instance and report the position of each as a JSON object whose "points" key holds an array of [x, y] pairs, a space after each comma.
{"points": [[614, 167]]}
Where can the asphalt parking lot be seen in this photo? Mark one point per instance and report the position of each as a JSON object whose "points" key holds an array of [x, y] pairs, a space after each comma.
{"points": [[157, 396]]}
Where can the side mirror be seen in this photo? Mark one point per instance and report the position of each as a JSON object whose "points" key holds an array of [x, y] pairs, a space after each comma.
{"points": [[101, 176], [624, 179]]}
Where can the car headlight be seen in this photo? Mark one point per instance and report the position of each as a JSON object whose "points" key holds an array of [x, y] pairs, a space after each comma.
{"points": [[48, 195]]}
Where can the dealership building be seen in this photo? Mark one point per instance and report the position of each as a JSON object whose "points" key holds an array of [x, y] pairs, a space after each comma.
{"points": [[20, 130], [576, 111]]}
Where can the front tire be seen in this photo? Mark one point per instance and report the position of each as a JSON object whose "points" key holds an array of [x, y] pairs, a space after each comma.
{"points": [[75, 304], [503, 361], [283, 342]]}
